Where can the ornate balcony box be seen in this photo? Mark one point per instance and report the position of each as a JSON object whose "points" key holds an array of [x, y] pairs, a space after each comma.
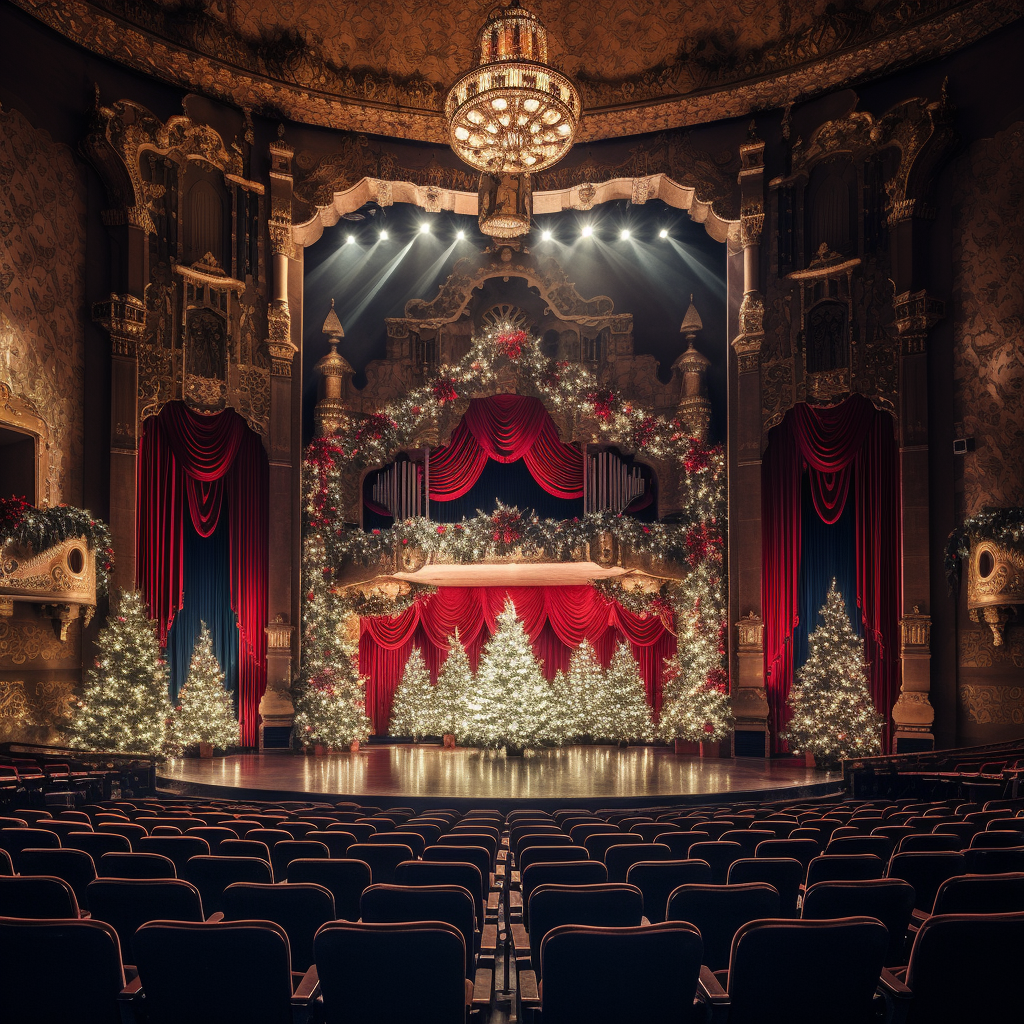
{"points": [[61, 578]]}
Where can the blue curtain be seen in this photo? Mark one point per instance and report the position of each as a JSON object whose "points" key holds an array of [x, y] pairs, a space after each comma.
{"points": [[825, 552], [207, 599], [512, 484]]}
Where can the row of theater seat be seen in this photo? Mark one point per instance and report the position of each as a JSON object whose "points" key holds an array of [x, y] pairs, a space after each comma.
{"points": [[570, 888]]}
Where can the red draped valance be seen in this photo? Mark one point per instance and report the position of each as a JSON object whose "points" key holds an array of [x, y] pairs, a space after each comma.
{"points": [[849, 443], [505, 428], [557, 620], [206, 461]]}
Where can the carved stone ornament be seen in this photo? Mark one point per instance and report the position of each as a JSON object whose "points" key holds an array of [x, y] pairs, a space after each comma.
{"points": [[750, 634], [915, 633], [915, 314], [828, 386], [280, 346], [995, 584], [279, 635], [604, 549], [124, 318], [641, 191]]}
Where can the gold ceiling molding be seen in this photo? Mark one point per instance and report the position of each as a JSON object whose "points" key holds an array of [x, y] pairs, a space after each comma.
{"points": [[377, 68]]}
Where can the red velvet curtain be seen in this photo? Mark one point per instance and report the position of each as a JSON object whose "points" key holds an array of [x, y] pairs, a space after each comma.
{"points": [[851, 443], [557, 620], [207, 462], [505, 428]]}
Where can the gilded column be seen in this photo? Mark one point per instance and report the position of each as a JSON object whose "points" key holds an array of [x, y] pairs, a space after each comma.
{"points": [[282, 583], [124, 318], [915, 315], [750, 705]]}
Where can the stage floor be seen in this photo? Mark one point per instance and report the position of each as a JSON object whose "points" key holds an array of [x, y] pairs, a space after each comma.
{"points": [[423, 775]]}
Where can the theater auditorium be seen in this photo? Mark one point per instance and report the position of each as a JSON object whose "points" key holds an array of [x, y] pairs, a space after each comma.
{"points": [[511, 514]]}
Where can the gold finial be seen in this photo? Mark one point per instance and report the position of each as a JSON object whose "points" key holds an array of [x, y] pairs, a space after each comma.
{"points": [[332, 326], [692, 322]]}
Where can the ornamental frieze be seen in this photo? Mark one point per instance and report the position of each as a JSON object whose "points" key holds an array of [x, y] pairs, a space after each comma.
{"points": [[993, 705], [23, 641]]}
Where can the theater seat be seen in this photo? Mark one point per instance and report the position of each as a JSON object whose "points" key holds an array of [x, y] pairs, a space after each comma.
{"points": [[346, 879], [37, 896], [657, 879]]}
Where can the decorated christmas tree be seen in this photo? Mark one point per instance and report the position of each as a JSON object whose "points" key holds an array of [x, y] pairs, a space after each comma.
{"points": [[413, 709], [204, 712], [580, 706], [512, 705], [125, 706], [833, 716], [455, 684], [694, 707], [621, 712]]}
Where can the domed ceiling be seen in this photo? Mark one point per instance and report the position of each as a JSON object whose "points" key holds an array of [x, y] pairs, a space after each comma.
{"points": [[383, 67]]}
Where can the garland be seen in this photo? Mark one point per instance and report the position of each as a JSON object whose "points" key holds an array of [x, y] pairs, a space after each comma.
{"points": [[41, 528], [1000, 524], [354, 602]]}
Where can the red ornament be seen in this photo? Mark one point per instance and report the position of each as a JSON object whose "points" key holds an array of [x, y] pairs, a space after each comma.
{"points": [[645, 432], [441, 529], [603, 403], [708, 728], [698, 457], [376, 425], [507, 525], [510, 343], [415, 410], [444, 390], [718, 679]]}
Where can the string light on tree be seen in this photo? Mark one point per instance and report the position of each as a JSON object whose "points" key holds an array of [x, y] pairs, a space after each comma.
{"points": [[620, 711], [124, 706], [832, 713], [579, 705], [455, 683], [204, 712], [413, 709]]}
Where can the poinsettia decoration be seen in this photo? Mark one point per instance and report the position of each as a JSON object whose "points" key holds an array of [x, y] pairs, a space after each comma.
{"points": [[510, 343], [444, 389], [507, 525], [377, 426], [602, 403]]}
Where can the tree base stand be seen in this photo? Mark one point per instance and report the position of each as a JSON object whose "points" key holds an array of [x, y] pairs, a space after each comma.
{"points": [[354, 746], [809, 759], [206, 750], [319, 750], [711, 748], [690, 747], [448, 741], [513, 751]]}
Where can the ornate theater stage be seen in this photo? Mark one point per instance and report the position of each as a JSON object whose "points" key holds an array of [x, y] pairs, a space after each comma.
{"points": [[424, 775]]}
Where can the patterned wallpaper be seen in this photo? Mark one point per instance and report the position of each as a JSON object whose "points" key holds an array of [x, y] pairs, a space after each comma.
{"points": [[988, 301], [42, 291]]}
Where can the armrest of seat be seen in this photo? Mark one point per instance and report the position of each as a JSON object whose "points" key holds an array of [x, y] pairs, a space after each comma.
{"points": [[897, 997], [215, 918], [304, 996], [917, 918], [127, 998], [529, 992], [493, 899], [483, 987], [714, 996], [520, 941], [489, 941], [515, 900]]}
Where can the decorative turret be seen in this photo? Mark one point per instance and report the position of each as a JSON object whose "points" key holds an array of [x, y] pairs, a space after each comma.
{"points": [[331, 414], [694, 408]]}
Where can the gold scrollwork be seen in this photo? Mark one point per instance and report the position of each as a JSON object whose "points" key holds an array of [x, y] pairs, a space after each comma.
{"points": [[993, 705], [13, 702]]}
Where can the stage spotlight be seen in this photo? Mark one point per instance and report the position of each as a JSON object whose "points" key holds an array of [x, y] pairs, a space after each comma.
{"points": [[624, 234], [587, 231], [663, 233], [424, 228], [460, 236], [546, 236], [349, 239], [384, 236]]}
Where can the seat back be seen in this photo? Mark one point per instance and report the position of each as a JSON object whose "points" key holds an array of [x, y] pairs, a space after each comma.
{"points": [[337, 843], [680, 843], [880, 846], [656, 880], [649, 831], [232, 972], [97, 843], [299, 908], [568, 872], [176, 848], [719, 910], [211, 875], [411, 839], [356, 964], [981, 894], [383, 859], [482, 839], [382, 904], [283, 853], [83, 987], [581, 833], [597, 846], [611, 905], [994, 861], [346, 880], [549, 854], [465, 854], [784, 874], [435, 872], [720, 855], [831, 867], [929, 841], [748, 838], [926, 872], [128, 903], [36, 896], [619, 859], [840, 962], [889, 900], [980, 951], [245, 848], [610, 975], [14, 840], [135, 865]]}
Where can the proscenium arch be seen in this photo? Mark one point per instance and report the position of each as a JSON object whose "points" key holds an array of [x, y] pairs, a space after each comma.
{"points": [[656, 186]]}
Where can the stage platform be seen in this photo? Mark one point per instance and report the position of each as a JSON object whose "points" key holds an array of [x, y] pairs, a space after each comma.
{"points": [[426, 775]]}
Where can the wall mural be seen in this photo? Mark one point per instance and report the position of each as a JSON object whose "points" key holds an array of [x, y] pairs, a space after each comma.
{"points": [[988, 364], [42, 292]]}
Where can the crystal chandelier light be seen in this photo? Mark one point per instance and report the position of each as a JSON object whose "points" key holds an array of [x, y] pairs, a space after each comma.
{"points": [[513, 113]]}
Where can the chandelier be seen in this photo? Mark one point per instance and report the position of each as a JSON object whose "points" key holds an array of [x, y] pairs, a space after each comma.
{"points": [[513, 113]]}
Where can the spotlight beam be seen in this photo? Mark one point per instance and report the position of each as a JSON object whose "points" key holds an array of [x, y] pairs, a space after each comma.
{"points": [[381, 279]]}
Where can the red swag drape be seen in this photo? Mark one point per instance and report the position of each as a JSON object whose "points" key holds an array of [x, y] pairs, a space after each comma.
{"points": [[850, 444], [207, 462], [505, 428], [557, 620]]}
